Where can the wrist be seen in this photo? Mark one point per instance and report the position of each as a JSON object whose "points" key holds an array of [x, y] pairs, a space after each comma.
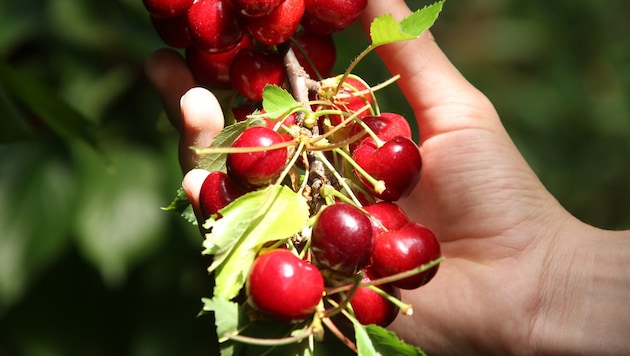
{"points": [[582, 306]]}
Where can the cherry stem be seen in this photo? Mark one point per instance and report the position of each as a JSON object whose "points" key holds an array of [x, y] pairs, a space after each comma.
{"points": [[271, 341], [335, 330], [379, 185], [336, 174], [389, 279], [289, 166], [405, 308], [227, 150]]}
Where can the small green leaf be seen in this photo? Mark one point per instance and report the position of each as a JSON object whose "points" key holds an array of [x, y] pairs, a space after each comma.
{"points": [[364, 343], [385, 29], [277, 101], [387, 343], [269, 214], [226, 315], [181, 205]]}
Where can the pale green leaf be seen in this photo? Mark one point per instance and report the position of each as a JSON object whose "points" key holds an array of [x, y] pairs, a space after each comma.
{"points": [[181, 205], [386, 342], [385, 29], [277, 101], [364, 343], [273, 213], [226, 315]]}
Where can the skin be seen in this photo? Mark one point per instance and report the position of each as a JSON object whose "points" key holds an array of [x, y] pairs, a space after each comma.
{"points": [[521, 275]]}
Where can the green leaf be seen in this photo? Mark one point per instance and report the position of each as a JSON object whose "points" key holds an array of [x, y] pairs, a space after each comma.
{"points": [[118, 222], [181, 205], [273, 213], [216, 161], [387, 343], [62, 118], [364, 343], [277, 101], [385, 29], [226, 315]]}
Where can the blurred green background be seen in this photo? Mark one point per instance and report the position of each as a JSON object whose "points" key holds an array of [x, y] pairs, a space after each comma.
{"points": [[89, 264]]}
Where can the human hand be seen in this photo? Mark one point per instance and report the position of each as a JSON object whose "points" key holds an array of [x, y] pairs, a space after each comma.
{"points": [[503, 235]]}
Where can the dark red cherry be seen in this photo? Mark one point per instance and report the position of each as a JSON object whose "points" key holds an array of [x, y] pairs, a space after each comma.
{"points": [[397, 163], [279, 25], [402, 250], [370, 307], [213, 69], [386, 216], [215, 25], [167, 8], [256, 8], [173, 30], [251, 70], [342, 238], [320, 51], [217, 191], [386, 126]]}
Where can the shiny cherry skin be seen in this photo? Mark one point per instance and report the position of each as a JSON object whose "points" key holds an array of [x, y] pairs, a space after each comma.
{"points": [[213, 69], [284, 286], [386, 216], [217, 191], [252, 70], [404, 249], [385, 126], [259, 168], [342, 238], [256, 8], [279, 25], [215, 25], [397, 163], [370, 307]]}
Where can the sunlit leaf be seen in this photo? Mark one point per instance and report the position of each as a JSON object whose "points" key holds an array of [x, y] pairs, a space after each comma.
{"points": [[385, 29], [277, 101], [386, 342], [273, 213]]}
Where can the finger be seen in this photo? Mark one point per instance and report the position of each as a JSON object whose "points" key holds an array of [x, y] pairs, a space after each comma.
{"points": [[169, 74], [429, 81], [192, 186], [202, 120]]}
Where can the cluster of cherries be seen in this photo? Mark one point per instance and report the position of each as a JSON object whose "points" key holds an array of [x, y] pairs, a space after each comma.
{"points": [[240, 43], [353, 161]]}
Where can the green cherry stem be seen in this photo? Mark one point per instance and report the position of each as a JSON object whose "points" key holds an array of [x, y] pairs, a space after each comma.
{"points": [[405, 308], [271, 341], [322, 157], [379, 185]]}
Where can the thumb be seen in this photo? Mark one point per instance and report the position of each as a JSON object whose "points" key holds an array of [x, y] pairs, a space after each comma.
{"points": [[442, 99]]}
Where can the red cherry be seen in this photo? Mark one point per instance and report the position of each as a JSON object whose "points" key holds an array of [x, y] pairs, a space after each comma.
{"points": [[217, 191], [173, 30], [215, 25], [386, 126], [251, 70], [402, 250], [388, 214], [213, 69], [320, 50], [397, 163], [255, 169], [370, 307], [339, 13], [256, 8], [167, 8], [323, 27], [284, 286], [279, 25], [342, 238]]}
